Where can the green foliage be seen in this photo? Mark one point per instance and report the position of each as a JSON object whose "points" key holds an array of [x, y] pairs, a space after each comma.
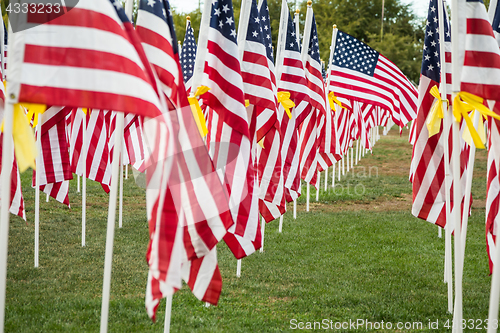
{"points": [[403, 34]]}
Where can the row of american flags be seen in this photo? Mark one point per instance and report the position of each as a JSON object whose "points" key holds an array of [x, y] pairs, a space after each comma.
{"points": [[226, 129]]}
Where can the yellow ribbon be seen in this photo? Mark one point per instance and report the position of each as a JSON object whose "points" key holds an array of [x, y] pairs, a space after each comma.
{"points": [[433, 120], [85, 110], [286, 102], [465, 102], [247, 103], [23, 138], [333, 100], [34, 109], [197, 112]]}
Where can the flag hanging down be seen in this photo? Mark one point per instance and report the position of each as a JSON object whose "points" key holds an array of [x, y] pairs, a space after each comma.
{"points": [[229, 138], [257, 77], [188, 55], [360, 73], [427, 167], [481, 69], [493, 169], [291, 78], [271, 182], [55, 168], [88, 57], [427, 171], [196, 203], [492, 190], [312, 135]]}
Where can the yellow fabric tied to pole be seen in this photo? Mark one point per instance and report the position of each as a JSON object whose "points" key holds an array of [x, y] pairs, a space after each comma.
{"points": [[286, 102], [197, 112], [34, 109], [465, 102], [22, 135], [333, 100], [433, 120]]}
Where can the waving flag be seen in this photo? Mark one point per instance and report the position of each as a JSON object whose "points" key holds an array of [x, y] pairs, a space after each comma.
{"points": [[55, 168], [492, 181], [188, 55], [271, 182], [428, 152], [481, 69], [360, 73], [229, 135], [292, 79], [196, 202]]}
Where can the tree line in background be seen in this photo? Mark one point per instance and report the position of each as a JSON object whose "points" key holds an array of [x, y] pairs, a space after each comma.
{"points": [[402, 39]]}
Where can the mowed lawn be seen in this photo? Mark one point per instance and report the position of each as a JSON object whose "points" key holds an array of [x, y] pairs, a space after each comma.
{"points": [[357, 256]]}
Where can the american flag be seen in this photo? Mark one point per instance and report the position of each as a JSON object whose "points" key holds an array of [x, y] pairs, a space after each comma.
{"points": [[55, 166], [195, 200], [188, 55], [257, 77], [16, 194], [74, 63], [360, 73], [481, 70], [271, 184], [312, 135], [493, 181], [427, 167], [292, 79], [229, 136]]}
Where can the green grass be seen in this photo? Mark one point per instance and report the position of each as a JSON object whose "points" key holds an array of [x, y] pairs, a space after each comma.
{"points": [[336, 262]]}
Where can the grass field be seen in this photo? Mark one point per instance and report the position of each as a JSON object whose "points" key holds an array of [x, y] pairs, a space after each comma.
{"points": [[358, 254]]}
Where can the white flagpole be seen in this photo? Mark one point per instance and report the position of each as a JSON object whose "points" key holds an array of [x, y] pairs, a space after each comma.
{"points": [[295, 209], [263, 229], [347, 160], [47, 197], [108, 259], [341, 163], [126, 171], [352, 157], [168, 314], [37, 190], [333, 173], [307, 198], [440, 235], [280, 228], [120, 207], [326, 179], [357, 151], [78, 184], [5, 202], [238, 268], [455, 160], [317, 189], [84, 177], [448, 269]]}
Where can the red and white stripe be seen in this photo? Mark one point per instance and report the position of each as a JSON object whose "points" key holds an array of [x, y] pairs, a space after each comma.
{"points": [[492, 189], [54, 169], [481, 70], [92, 58]]}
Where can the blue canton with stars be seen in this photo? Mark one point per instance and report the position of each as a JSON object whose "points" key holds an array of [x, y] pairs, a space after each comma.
{"points": [[313, 42], [188, 54], [353, 54], [291, 40], [120, 11], [161, 9], [265, 23], [255, 31], [431, 55], [222, 18], [496, 20]]}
